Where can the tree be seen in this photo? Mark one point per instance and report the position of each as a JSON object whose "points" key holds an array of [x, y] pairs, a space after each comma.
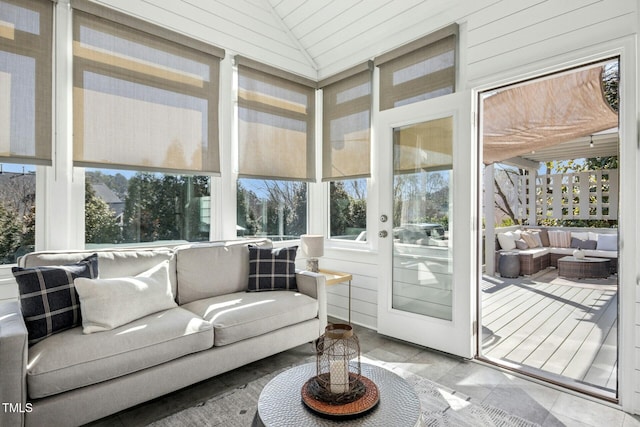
{"points": [[246, 217], [286, 208], [164, 207], [610, 84], [506, 192], [11, 236], [338, 208], [100, 222]]}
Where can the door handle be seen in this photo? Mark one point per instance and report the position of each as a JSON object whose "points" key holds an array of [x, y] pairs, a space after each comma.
{"points": [[383, 234]]}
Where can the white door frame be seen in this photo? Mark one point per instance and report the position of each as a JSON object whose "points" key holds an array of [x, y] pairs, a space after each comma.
{"points": [[629, 164]]}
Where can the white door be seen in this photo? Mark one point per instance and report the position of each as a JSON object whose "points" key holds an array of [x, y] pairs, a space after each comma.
{"points": [[427, 245]]}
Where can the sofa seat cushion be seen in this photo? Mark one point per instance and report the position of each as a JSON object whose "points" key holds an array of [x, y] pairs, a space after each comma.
{"points": [[71, 359], [562, 251], [600, 253], [243, 315], [588, 252], [533, 252]]}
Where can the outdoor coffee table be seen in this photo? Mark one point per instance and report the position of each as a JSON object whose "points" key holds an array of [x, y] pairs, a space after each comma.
{"points": [[280, 403], [583, 268]]}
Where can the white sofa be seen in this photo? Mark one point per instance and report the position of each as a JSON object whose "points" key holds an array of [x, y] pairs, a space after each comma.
{"points": [[71, 378], [534, 259]]}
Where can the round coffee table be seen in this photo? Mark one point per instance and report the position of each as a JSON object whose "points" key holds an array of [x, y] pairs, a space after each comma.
{"points": [[280, 403], [583, 268]]}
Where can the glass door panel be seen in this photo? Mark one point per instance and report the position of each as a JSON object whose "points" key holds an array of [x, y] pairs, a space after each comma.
{"points": [[422, 261]]}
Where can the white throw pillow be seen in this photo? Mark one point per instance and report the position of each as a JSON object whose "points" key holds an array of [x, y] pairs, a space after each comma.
{"points": [[108, 303], [507, 240], [607, 242]]}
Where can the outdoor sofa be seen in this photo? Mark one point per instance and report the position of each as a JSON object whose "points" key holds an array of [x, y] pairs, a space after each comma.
{"points": [[211, 324], [541, 247]]}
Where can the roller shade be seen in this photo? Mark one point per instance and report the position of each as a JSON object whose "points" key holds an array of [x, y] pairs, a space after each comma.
{"points": [[141, 101], [544, 113], [25, 81], [346, 128], [426, 146], [276, 124], [423, 69]]}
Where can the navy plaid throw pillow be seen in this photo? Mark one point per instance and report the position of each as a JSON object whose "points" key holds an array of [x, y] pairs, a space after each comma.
{"points": [[272, 269], [48, 299]]}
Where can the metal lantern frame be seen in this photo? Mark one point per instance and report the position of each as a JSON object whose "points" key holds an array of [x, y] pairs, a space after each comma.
{"points": [[338, 364]]}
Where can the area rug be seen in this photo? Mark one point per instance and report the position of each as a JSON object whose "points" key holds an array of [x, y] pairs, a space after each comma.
{"points": [[441, 407]]}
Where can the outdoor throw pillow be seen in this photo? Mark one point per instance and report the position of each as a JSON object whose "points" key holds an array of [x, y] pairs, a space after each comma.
{"points": [[507, 240], [48, 298], [109, 303], [543, 234], [272, 269], [531, 240], [559, 239], [607, 242], [583, 244], [521, 244]]}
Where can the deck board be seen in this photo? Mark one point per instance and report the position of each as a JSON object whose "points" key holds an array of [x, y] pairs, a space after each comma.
{"points": [[532, 332], [560, 327]]}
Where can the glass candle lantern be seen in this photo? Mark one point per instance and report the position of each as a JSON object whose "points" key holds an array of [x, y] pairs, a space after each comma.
{"points": [[338, 365]]}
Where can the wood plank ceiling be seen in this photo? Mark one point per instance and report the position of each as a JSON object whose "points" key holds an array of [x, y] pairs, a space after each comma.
{"points": [[313, 38]]}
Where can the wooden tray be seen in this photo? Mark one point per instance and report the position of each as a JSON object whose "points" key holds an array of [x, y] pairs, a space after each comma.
{"points": [[358, 407]]}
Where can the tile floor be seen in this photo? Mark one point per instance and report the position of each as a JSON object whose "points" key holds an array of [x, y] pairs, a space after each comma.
{"points": [[538, 403]]}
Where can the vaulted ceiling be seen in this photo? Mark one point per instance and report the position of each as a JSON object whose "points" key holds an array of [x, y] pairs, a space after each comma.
{"points": [[313, 38]]}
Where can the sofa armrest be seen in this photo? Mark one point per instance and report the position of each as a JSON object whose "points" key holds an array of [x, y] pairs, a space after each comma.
{"points": [[314, 285], [13, 359]]}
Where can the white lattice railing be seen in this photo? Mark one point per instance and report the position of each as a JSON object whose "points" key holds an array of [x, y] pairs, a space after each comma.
{"points": [[578, 195]]}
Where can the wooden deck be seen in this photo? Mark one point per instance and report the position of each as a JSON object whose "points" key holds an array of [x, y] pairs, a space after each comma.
{"points": [[559, 328]]}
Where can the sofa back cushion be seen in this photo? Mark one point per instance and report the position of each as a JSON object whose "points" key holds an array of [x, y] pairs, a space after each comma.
{"points": [[211, 269], [112, 263]]}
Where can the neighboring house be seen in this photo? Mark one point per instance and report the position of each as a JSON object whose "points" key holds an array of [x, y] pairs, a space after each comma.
{"points": [[111, 199]]}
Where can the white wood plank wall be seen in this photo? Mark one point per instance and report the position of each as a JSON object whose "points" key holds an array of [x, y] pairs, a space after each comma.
{"points": [[364, 286], [506, 34]]}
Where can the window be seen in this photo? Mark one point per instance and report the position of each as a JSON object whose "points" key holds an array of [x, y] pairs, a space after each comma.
{"points": [[273, 209], [346, 148], [25, 118], [145, 104], [420, 70], [348, 210], [276, 144], [123, 207]]}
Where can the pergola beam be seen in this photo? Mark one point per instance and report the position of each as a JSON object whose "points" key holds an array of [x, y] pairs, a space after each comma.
{"points": [[521, 163]]}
